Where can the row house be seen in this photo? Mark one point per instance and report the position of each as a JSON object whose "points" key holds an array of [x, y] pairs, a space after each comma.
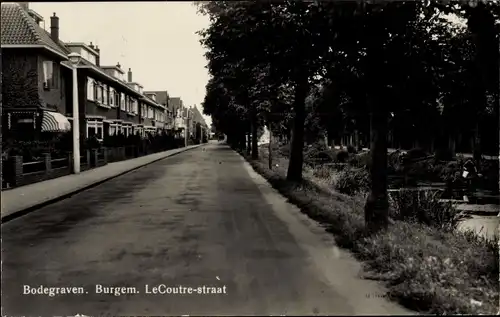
{"points": [[36, 75], [163, 98], [37, 81]]}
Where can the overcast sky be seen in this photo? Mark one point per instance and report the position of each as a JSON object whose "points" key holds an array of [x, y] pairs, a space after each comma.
{"points": [[156, 40]]}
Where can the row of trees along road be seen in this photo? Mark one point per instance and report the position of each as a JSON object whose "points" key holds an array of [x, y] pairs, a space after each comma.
{"points": [[335, 66]]}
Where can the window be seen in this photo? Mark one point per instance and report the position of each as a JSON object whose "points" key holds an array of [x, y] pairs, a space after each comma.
{"points": [[136, 106], [122, 103], [111, 97], [98, 92], [150, 113], [105, 94], [90, 89], [50, 75], [95, 128]]}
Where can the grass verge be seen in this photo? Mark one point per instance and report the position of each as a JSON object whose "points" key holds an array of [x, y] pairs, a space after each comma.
{"points": [[425, 269]]}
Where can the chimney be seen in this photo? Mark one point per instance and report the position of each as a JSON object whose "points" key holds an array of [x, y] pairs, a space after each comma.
{"points": [[54, 28], [91, 45], [25, 5], [98, 57], [129, 75], [118, 65]]}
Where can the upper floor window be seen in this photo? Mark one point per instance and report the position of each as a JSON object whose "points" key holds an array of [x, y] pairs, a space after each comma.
{"points": [[98, 92], [111, 97], [50, 75], [122, 103], [90, 89], [105, 94], [135, 106]]}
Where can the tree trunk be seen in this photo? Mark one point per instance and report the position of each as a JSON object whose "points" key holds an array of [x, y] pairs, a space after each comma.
{"points": [[377, 205], [255, 140], [249, 143], [294, 172], [452, 144], [270, 148]]}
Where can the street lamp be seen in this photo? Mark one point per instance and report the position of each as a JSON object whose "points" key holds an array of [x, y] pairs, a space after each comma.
{"points": [[75, 59]]}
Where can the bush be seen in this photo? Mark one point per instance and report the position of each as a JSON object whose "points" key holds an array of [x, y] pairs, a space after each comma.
{"points": [[351, 149], [342, 157], [424, 207], [443, 155], [352, 180], [416, 153]]}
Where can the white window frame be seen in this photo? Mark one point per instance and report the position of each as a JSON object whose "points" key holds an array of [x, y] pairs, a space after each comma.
{"points": [[123, 104], [115, 127], [90, 89], [48, 74], [99, 88], [111, 97], [95, 125], [135, 106], [105, 94]]}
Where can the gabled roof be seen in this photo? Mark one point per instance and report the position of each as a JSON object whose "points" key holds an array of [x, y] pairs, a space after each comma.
{"points": [[161, 96], [152, 102], [197, 117], [19, 30]]}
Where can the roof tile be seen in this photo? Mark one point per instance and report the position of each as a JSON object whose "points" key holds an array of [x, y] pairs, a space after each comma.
{"points": [[18, 28]]}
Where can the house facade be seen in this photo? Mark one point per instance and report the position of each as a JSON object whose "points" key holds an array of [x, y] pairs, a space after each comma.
{"points": [[162, 97], [37, 84], [35, 75]]}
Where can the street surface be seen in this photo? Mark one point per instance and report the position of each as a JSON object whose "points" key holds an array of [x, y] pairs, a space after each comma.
{"points": [[200, 219]]}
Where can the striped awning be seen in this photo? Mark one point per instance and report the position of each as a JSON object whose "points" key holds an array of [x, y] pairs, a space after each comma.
{"points": [[55, 122]]}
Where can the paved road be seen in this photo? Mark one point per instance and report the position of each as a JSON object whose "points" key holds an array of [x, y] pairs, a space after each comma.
{"points": [[200, 218]]}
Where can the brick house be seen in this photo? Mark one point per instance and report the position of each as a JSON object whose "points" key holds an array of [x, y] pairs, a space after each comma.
{"points": [[35, 75], [154, 112], [199, 126], [108, 102], [163, 98]]}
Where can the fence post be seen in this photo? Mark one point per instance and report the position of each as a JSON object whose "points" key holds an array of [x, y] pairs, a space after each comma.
{"points": [[18, 170], [48, 163], [70, 162], [95, 157], [105, 152], [89, 162]]}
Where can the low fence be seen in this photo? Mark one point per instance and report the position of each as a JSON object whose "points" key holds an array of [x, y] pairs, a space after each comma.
{"points": [[16, 172]]}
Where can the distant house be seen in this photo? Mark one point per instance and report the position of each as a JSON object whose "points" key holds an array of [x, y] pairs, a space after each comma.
{"points": [[163, 98], [199, 126], [35, 74]]}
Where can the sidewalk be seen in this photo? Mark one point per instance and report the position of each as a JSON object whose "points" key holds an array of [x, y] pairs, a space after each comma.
{"points": [[21, 200]]}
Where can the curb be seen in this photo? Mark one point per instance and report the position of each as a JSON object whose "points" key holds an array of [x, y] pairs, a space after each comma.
{"points": [[25, 211]]}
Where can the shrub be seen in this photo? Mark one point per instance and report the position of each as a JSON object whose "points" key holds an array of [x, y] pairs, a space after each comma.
{"points": [[424, 207], [352, 180], [323, 172], [416, 153], [342, 157], [351, 149], [443, 155]]}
